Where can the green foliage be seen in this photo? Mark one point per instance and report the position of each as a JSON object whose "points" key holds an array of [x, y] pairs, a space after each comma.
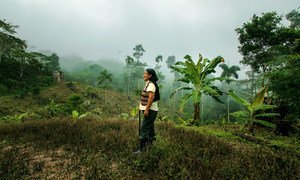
{"points": [[17, 118], [229, 71], [134, 112], [75, 114], [3, 89], [134, 70], [21, 70], [53, 108], [52, 62], [253, 109], [287, 76], [197, 75], [157, 68], [88, 75], [270, 47], [138, 51], [104, 79], [257, 38], [36, 90], [74, 103], [294, 18]]}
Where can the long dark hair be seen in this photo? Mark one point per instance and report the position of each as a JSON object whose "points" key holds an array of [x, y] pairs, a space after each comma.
{"points": [[154, 79]]}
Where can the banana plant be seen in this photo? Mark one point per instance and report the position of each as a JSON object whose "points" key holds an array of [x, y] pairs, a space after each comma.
{"points": [[196, 74], [76, 115], [255, 109], [53, 108]]}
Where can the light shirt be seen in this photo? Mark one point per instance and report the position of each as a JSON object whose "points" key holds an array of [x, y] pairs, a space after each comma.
{"points": [[151, 88]]}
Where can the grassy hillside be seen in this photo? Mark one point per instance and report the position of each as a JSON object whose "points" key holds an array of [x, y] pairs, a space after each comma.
{"points": [[58, 98], [89, 148], [40, 139]]}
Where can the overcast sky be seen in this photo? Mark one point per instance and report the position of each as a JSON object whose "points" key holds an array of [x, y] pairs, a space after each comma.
{"points": [[95, 29]]}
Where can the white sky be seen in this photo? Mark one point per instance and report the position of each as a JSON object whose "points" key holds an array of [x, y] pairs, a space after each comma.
{"points": [[96, 29]]}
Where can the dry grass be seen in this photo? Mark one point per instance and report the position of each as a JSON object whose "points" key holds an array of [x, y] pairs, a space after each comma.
{"points": [[88, 148]]}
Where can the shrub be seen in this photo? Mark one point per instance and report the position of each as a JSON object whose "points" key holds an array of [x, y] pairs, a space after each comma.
{"points": [[3, 89], [74, 103]]}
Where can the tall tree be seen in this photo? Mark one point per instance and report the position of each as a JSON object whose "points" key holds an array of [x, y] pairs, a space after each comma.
{"points": [[258, 39], [8, 41], [228, 72], [294, 18], [19, 69], [157, 67], [270, 47], [53, 62], [198, 75], [134, 70], [138, 51], [104, 79]]}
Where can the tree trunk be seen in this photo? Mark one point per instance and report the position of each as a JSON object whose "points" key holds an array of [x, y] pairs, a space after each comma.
{"points": [[252, 85], [202, 112], [228, 109], [228, 118], [196, 112]]}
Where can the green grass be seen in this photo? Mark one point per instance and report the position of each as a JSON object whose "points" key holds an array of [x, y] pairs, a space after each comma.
{"points": [[89, 148]]}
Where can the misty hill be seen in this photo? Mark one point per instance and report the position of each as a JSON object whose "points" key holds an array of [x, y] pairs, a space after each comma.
{"points": [[76, 63]]}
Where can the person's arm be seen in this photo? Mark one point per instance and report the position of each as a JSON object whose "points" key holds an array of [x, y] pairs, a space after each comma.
{"points": [[149, 103]]}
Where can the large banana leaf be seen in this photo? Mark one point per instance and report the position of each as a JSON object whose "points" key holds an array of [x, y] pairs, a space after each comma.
{"points": [[241, 114], [264, 107], [267, 115], [260, 96], [199, 65], [217, 99], [217, 96], [180, 88], [208, 80], [239, 99], [184, 100], [178, 69], [210, 91], [212, 64], [265, 123], [184, 79]]}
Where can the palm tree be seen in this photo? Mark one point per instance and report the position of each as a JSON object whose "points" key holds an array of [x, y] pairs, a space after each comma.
{"points": [[197, 75], [138, 51], [228, 72], [105, 78], [129, 63]]}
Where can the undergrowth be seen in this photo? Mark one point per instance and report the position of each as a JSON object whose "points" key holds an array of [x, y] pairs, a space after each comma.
{"points": [[89, 148]]}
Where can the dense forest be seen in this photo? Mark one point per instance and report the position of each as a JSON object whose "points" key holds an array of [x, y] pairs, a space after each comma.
{"points": [[74, 106]]}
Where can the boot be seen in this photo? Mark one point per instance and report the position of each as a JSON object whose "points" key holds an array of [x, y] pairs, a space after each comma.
{"points": [[142, 146]]}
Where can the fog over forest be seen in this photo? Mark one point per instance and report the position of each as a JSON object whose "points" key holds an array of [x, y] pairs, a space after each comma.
{"points": [[78, 99], [110, 29]]}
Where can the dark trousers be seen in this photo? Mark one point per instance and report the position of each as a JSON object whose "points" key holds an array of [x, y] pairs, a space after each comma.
{"points": [[147, 127]]}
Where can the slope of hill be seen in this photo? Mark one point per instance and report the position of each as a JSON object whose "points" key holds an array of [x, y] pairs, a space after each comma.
{"points": [[60, 99], [39, 138], [102, 148]]}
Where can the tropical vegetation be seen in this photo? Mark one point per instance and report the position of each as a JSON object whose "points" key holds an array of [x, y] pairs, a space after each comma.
{"points": [[85, 125]]}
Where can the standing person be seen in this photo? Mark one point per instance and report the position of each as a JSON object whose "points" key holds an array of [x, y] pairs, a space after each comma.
{"points": [[149, 108]]}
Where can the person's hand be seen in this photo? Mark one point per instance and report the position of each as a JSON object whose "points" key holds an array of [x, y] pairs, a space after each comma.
{"points": [[146, 113]]}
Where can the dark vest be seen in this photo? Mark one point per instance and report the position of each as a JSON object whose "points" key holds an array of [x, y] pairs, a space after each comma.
{"points": [[145, 95]]}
